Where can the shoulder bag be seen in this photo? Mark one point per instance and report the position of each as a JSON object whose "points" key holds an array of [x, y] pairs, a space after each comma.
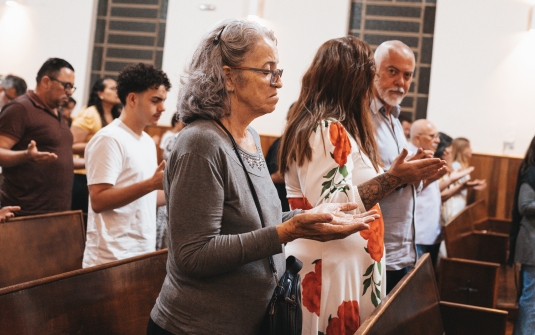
{"points": [[283, 315]]}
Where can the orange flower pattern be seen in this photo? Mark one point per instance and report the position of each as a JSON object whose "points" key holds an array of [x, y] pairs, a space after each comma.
{"points": [[311, 288], [348, 320], [342, 148], [375, 236], [352, 267], [340, 140], [299, 203]]}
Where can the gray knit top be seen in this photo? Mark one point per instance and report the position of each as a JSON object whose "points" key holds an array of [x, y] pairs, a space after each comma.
{"points": [[218, 276]]}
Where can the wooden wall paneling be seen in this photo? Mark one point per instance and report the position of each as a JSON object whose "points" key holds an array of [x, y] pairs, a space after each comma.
{"points": [[502, 187], [500, 173]]}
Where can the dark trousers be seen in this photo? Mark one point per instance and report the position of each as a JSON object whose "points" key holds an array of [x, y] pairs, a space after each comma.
{"points": [[393, 277], [80, 193], [432, 249], [154, 329]]}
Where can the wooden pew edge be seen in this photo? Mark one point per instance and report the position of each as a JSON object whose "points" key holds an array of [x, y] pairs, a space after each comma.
{"points": [[42, 281], [472, 261], [474, 308], [23, 218], [491, 218], [491, 233], [56, 214], [381, 308]]}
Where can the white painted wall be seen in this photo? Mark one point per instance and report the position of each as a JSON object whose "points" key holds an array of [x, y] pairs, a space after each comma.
{"points": [[39, 29], [300, 26], [482, 79]]}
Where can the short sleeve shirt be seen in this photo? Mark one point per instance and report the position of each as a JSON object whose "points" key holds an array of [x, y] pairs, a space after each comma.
{"points": [[88, 120], [118, 156], [37, 187]]}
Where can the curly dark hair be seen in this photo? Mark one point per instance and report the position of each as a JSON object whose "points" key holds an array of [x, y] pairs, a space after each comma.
{"points": [[94, 100], [138, 78]]}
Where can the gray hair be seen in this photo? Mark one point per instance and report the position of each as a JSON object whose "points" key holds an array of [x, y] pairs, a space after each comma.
{"points": [[203, 94], [11, 81]]}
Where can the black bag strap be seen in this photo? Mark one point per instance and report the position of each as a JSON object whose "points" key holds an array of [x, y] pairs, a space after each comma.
{"points": [[253, 191]]}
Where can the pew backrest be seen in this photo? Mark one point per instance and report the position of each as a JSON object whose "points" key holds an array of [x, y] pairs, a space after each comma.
{"points": [[412, 307], [468, 282], [113, 298], [39, 246], [478, 211], [457, 235]]}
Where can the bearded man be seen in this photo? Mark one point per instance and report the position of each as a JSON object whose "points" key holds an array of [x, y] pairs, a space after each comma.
{"points": [[395, 63]]}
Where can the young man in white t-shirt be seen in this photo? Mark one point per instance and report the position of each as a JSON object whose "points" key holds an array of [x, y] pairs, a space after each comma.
{"points": [[124, 179]]}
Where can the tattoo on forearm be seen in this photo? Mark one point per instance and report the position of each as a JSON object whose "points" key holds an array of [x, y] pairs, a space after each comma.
{"points": [[372, 191]]}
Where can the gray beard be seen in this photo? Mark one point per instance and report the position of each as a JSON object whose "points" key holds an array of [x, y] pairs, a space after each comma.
{"points": [[393, 101]]}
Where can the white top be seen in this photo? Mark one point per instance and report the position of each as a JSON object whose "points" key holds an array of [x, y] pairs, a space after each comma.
{"points": [[118, 156], [427, 217], [427, 212], [456, 203]]}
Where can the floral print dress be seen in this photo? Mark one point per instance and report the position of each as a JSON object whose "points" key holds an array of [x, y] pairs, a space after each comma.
{"points": [[343, 280]]}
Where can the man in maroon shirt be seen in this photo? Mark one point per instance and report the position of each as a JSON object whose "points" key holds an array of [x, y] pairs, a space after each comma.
{"points": [[38, 180]]}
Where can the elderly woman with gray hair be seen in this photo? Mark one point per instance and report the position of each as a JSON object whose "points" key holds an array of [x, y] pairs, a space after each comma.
{"points": [[219, 279]]}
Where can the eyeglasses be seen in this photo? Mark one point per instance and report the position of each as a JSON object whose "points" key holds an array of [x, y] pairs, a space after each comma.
{"points": [[275, 74], [66, 85], [433, 136]]}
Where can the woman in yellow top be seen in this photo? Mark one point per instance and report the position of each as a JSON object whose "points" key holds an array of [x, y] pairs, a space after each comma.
{"points": [[102, 108]]}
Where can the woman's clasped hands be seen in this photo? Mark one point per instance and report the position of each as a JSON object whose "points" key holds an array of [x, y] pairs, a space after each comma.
{"points": [[326, 222]]}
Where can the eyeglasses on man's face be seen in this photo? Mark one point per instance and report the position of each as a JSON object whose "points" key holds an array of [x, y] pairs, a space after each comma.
{"points": [[66, 85], [275, 74]]}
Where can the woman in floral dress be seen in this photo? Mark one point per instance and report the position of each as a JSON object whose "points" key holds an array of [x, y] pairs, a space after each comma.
{"points": [[329, 154]]}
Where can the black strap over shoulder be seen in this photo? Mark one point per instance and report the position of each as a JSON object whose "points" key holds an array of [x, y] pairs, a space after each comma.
{"points": [[253, 191]]}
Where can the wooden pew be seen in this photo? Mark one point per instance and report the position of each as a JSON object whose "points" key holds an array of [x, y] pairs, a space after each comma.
{"points": [[33, 247], [413, 307], [471, 273], [113, 298], [482, 222], [469, 282], [464, 241]]}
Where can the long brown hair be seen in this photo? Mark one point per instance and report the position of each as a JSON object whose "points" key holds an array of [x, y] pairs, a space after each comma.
{"points": [[338, 84], [459, 145]]}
